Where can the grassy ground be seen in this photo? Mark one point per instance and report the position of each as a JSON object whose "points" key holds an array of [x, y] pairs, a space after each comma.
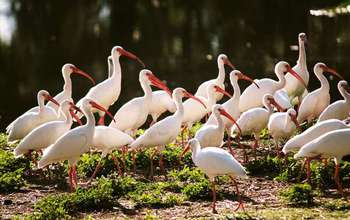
{"points": [[184, 193]]}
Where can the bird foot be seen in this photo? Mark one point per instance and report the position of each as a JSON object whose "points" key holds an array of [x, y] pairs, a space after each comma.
{"points": [[214, 209], [240, 205], [306, 181]]}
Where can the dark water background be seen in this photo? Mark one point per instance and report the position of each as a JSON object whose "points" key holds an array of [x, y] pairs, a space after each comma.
{"points": [[176, 39]]}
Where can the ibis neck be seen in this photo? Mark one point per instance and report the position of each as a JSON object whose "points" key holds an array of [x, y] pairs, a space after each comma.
{"points": [[236, 90], [323, 80], [281, 80], [90, 118], [179, 107], [221, 75], [146, 89], [287, 121], [65, 115], [268, 106], [345, 94], [110, 68], [211, 99], [41, 102], [67, 87], [220, 123], [116, 69], [302, 55]]}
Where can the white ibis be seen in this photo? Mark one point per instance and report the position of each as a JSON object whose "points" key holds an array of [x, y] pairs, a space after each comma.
{"points": [[332, 144], [74, 143], [282, 125], [133, 114], [295, 143], [255, 120], [341, 108], [252, 96], [66, 93], [46, 134], [231, 105], [24, 124], [213, 135], [161, 102], [164, 131], [220, 79], [107, 92], [195, 111], [294, 87], [106, 139], [316, 101], [110, 66], [215, 162]]}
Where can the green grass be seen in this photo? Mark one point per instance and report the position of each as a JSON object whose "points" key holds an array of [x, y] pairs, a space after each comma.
{"points": [[187, 184], [290, 213], [298, 194], [12, 171], [184, 184]]}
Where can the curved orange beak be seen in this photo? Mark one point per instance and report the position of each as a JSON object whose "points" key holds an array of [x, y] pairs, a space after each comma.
{"points": [[296, 75], [347, 88], [228, 63], [274, 103], [227, 115], [71, 110], [99, 107], [294, 119], [247, 78], [187, 148], [158, 83], [219, 89], [189, 95], [80, 72], [50, 98], [332, 71], [131, 56]]}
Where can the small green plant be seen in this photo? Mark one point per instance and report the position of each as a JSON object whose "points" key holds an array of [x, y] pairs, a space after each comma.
{"points": [[337, 205], [298, 194], [194, 191], [3, 141], [51, 207], [12, 171], [264, 134], [12, 181], [269, 165], [291, 172], [156, 195], [65, 205], [124, 185], [196, 185]]}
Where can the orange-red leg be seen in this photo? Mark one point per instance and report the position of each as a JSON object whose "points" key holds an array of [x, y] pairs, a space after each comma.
{"points": [[308, 170], [214, 197], [70, 179], [240, 202], [337, 179], [101, 121], [133, 153], [98, 167], [161, 164], [116, 163], [75, 179]]}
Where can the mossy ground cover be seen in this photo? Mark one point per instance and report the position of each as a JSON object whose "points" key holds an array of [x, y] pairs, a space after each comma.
{"points": [[274, 189]]}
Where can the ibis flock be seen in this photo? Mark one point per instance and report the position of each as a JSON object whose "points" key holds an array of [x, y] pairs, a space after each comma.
{"points": [[280, 105]]}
